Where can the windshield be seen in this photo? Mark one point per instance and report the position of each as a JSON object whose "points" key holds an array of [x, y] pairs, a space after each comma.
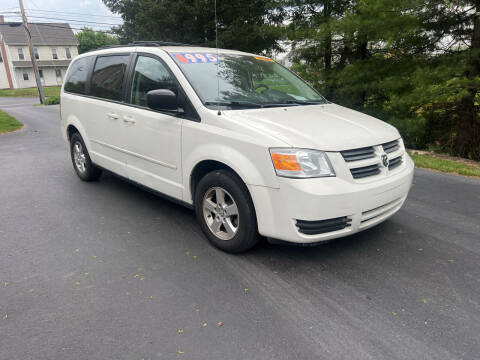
{"points": [[244, 81]]}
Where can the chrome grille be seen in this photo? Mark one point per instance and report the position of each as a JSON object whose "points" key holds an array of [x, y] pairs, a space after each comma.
{"points": [[391, 146], [395, 162], [365, 171], [358, 154]]}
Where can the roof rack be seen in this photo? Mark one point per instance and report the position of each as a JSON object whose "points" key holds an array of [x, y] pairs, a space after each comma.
{"points": [[144, 43], [159, 43]]}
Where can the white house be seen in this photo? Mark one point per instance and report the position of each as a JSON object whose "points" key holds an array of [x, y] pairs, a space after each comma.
{"points": [[54, 44]]}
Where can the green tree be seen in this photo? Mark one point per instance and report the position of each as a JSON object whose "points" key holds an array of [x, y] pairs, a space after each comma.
{"points": [[89, 39], [244, 24], [413, 63]]}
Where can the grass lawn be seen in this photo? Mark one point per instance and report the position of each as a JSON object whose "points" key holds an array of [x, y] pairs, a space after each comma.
{"points": [[8, 123], [31, 92], [449, 166]]}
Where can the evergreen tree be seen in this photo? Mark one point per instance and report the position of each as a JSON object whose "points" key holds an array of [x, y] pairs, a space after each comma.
{"points": [[247, 25]]}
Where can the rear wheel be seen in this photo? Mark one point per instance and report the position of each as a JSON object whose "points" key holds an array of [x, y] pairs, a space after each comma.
{"points": [[225, 211], [81, 160]]}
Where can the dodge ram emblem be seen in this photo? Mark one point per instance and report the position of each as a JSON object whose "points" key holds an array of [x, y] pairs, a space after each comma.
{"points": [[385, 161]]}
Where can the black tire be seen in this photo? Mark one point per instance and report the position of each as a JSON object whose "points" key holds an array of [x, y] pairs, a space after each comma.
{"points": [[90, 172], [246, 235]]}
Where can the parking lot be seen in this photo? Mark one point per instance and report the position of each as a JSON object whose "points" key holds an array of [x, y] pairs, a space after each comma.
{"points": [[106, 270]]}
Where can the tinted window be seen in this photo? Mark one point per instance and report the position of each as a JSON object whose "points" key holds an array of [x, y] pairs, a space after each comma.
{"points": [[77, 75], [150, 74], [107, 78]]}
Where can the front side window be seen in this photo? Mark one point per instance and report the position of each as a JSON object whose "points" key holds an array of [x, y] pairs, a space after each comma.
{"points": [[149, 74], [77, 75], [54, 54], [244, 81], [25, 76], [35, 52], [20, 54], [68, 54], [107, 77]]}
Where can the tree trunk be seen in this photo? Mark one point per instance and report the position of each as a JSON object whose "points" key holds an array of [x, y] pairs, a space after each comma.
{"points": [[327, 56], [467, 139]]}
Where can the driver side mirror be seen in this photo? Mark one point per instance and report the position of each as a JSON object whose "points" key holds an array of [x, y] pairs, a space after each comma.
{"points": [[162, 100]]}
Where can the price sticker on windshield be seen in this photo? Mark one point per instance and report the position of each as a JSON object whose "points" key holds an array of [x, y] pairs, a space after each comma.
{"points": [[195, 58]]}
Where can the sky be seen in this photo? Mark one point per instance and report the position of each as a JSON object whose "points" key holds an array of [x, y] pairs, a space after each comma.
{"points": [[78, 13]]}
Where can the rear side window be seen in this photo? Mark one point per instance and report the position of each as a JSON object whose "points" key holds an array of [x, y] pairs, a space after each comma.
{"points": [[107, 77], [149, 74], [77, 75]]}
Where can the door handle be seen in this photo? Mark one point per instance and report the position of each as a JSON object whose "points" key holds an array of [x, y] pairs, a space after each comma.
{"points": [[128, 120], [112, 116]]}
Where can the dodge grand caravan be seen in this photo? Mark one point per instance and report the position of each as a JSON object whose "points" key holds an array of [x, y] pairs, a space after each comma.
{"points": [[238, 137]]}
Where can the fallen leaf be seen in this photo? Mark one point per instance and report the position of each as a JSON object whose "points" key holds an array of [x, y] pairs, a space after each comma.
{"points": [[137, 244], [187, 252], [180, 352], [77, 250], [194, 257], [394, 313], [31, 291], [180, 331], [275, 272], [204, 324], [6, 283], [220, 323], [5, 317], [151, 297], [420, 249], [136, 276], [77, 282], [424, 301], [94, 256], [100, 261], [245, 290], [142, 278], [86, 274], [99, 233], [451, 260]]}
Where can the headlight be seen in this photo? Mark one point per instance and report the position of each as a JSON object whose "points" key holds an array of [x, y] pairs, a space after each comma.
{"points": [[301, 163]]}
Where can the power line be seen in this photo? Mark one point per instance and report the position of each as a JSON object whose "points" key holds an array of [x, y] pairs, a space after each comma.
{"points": [[74, 13], [75, 22], [72, 20]]}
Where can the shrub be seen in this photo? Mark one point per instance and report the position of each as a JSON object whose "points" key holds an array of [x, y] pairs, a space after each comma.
{"points": [[52, 100]]}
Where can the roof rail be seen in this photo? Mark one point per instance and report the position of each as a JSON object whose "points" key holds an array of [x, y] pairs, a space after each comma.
{"points": [[158, 43]]}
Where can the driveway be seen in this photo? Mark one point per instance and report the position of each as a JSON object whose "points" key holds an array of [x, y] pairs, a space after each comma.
{"points": [[105, 270]]}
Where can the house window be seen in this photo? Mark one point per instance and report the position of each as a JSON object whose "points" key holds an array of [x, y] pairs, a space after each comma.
{"points": [[58, 73], [25, 76], [54, 54], [40, 72], [68, 54], [35, 52], [1, 58], [20, 54]]}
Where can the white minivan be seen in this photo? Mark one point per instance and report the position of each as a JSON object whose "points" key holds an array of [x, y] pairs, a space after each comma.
{"points": [[236, 136]]}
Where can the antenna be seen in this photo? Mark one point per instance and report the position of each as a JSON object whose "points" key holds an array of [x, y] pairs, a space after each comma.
{"points": [[218, 59]]}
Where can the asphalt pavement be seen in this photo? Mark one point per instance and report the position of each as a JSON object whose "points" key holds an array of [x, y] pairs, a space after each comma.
{"points": [[106, 270]]}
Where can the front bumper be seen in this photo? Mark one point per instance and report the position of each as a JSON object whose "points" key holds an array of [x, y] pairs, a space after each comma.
{"points": [[364, 203]]}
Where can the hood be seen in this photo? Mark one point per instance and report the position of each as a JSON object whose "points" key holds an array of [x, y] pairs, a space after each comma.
{"points": [[326, 127]]}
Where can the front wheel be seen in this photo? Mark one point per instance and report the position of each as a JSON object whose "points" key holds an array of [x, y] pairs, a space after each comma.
{"points": [[225, 211], [81, 160]]}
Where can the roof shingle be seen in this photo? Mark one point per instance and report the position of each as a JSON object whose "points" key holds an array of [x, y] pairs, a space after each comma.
{"points": [[42, 34]]}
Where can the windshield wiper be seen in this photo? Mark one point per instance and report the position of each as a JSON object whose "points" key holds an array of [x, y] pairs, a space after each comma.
{"points": [[305, 102], [247, 104]]}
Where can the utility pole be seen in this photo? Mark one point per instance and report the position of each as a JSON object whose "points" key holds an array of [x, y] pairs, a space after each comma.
{"points": [[32, 54]]}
